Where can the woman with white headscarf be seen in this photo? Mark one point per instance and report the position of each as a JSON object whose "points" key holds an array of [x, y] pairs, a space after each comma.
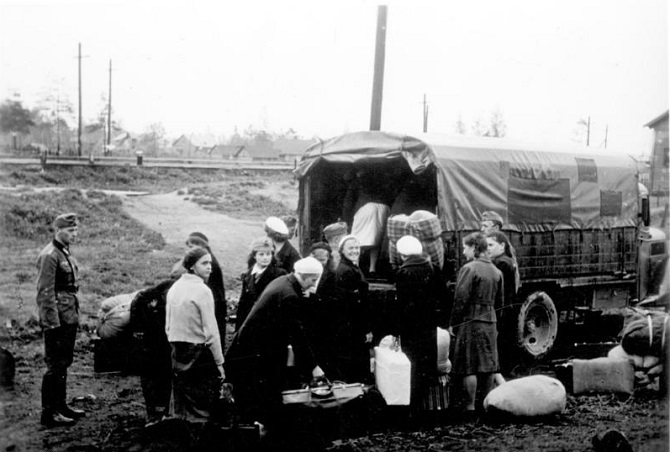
{"points": [[418, 290]]}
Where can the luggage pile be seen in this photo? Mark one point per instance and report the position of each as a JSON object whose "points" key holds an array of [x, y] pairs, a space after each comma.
{"points": [[423, 225], [644, 344]]}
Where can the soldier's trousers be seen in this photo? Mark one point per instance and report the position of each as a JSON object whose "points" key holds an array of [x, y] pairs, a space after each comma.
{"points": [[58, 355]]}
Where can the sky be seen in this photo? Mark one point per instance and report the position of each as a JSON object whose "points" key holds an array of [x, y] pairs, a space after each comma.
{"points": [[213, 67]]}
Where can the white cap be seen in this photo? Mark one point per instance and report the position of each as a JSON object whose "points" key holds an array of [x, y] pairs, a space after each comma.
{"points": [[308, 266], [409, 245], [276, 225]]}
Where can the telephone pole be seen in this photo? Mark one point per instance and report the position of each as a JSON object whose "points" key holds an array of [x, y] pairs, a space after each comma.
{"points": [[109, 109], [425, 115], [378, 78], [588, 131], [57, 125], [79, 126]]}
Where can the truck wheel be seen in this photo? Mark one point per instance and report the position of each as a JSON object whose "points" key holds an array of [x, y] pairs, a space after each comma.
{"points": [[537, 325]]}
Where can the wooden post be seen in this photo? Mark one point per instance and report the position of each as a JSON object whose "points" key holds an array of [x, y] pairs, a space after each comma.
{"points": [[378, 78]]}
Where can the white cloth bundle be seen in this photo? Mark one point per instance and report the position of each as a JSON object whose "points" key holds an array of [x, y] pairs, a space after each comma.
{"points": [[537, 395], [393, 375]]}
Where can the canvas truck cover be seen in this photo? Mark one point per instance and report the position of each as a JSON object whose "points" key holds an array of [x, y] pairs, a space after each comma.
{"points": [[533, 187]]}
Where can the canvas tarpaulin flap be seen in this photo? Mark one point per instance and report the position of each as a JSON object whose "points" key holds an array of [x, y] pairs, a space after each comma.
{"points": [[532, 190]]}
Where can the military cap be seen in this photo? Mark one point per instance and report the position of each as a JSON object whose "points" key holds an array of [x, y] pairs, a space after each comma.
{"points": [[66, 220]]}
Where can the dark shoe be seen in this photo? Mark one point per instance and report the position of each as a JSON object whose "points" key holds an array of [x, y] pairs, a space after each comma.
{"points": [[56, 420], [72, 413]]}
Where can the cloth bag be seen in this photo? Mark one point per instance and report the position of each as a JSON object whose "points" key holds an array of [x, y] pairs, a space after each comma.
{"points": [[393, 375], [423, 225], [536, 395], [114, 315]]}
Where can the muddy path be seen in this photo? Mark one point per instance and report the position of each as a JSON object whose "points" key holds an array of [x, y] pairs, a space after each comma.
{"points": [[174, 217]]}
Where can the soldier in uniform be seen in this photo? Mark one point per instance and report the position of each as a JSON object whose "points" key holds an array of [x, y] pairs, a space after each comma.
{"points": [[59, 316]]}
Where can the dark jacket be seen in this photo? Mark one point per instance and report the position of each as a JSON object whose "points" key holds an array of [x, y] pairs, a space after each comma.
{"points": [[147, 315], [286, 257], [256, 359], [57, 272], [252, 289], [418, 290], [506, 266], [215, 283], [351, 322], [479, 290]]}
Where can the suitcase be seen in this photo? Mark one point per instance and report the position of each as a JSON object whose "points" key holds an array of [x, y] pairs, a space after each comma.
{"points": [[327, 396]]}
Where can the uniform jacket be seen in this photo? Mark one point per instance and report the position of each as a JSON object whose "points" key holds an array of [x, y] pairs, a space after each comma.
{"points": [[252, 289], [479, 290], [57, 272]]}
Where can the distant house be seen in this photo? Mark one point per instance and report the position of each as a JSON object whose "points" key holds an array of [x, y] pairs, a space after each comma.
{"points": [[226, 151], [183, 145], [290, 150], [659, 155], [123, 144], [194, 145], [260, 152]]}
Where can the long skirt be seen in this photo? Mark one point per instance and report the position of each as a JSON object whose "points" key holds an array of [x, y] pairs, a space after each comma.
{"points": [[195, 381], [475, 348], [370, 223]]}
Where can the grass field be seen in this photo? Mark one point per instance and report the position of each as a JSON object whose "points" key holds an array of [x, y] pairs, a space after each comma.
{"points": [[116, 254]]}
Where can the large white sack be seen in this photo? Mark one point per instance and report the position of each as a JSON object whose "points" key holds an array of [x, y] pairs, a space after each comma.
{"points": [[537, 395], [393, 375], [650, 361], [443, 343], [110, 303], [114, 315], [619, 353]]}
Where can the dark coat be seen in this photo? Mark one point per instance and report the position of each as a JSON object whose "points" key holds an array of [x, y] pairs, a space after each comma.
{"points": [[479, 289], [252, 289], [506, 266], [215, 283], [323, 308], [507, 319], [147, 320], [351, 322], [418, 289], [286, 257], [256, 359]]}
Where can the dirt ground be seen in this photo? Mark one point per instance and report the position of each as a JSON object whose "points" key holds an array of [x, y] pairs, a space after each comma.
{"points": [[116, 411]]}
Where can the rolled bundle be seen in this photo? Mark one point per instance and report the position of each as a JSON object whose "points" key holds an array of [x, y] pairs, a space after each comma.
{"points": [[423, 225]]}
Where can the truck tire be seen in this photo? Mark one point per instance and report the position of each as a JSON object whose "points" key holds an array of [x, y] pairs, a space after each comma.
{"points": [[537, 325]]}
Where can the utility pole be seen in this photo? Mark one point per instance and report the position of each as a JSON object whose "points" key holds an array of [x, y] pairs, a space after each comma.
{"points": [[57, 125], [588, 131], [425, 115], [378, 77], [79, 127], [109, 109], [606, 130]]}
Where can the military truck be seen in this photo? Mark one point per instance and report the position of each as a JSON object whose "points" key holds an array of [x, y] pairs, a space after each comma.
{"points": [[574, 216]]}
